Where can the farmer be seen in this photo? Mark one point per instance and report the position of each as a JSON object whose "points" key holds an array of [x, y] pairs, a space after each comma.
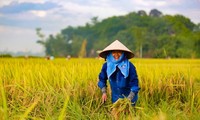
{"points": [[120, 72]]}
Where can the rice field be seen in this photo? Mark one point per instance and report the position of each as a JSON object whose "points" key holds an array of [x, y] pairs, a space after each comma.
{"points": [[60, 89]]}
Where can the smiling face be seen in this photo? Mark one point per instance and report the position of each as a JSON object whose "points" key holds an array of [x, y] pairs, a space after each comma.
{"points": [[116, 54]]}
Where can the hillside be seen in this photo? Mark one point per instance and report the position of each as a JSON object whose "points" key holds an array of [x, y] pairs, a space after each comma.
{"points": [[147, 35]]}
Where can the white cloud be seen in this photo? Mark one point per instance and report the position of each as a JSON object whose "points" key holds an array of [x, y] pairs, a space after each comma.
{"points": [[161, 3], [100, 10], [32, 1], [39, 13], [6, 2], [150, 3]]}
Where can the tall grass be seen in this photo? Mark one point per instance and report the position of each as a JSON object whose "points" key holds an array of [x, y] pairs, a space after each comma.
{"points": [[67, 89]]}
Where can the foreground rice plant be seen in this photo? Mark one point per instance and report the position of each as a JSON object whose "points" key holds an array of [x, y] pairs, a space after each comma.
{"points": [[122, 108], [67, 89]]}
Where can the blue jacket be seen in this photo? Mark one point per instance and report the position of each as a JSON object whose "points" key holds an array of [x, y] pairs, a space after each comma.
{"points": [[120, 86]]}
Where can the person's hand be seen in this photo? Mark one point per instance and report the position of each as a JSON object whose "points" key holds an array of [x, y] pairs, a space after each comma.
{"points": [[131, 95], [104, 97]]}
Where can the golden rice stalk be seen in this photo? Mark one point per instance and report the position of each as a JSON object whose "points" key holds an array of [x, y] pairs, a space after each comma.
{"points": [[29, 109], [121, 107]]}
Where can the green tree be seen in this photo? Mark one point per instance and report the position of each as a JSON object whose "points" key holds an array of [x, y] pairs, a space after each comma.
{"points": [[139, 34], [41, 36]]}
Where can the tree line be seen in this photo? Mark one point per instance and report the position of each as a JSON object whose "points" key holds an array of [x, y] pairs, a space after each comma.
{"points": [[152, 35]]}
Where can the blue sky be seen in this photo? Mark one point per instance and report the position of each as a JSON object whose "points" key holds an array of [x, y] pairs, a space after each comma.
{"points": [[20, 18]]}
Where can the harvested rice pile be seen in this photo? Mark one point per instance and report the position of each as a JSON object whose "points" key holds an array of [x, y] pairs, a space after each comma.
{"points": [[122, 108]]}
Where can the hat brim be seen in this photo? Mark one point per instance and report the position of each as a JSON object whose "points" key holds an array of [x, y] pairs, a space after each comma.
{"points": [[128, 54], [116, 45]]}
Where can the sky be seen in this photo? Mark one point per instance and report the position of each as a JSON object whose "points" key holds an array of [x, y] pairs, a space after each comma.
{"points": [[20, 18]]}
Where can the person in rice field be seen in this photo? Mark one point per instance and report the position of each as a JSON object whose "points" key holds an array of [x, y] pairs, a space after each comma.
{"points": [[120, 72]]}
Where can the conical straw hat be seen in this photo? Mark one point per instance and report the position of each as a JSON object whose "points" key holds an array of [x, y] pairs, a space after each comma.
{"points": [[116, 45]]}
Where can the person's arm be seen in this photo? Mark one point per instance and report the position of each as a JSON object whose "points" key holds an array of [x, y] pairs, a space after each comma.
{"points": [[102, 84], [133, 83], [103, 78]]}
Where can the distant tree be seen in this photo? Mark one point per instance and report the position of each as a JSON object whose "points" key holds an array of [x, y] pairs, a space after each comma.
{"points": [[94, 20], [142, 13], [54, 45], [197, 44], [5, 55], [155, 13], [140, 34], [76, 45], [196, 28], [41, 36]]}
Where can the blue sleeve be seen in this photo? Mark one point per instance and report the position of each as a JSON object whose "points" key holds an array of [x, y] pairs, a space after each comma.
{"points": [[133, 83], [103, 77]]}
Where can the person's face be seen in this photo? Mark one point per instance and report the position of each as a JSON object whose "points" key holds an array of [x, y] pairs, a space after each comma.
{"points": [[116, 54]]}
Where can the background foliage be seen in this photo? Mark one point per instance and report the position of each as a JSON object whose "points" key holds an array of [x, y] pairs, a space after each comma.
{"points": [[154, 35]]}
